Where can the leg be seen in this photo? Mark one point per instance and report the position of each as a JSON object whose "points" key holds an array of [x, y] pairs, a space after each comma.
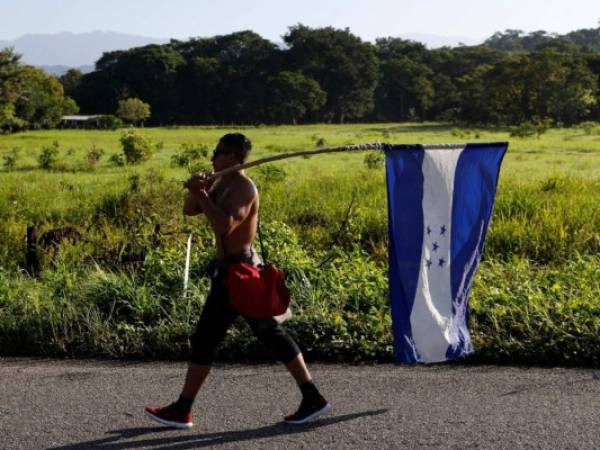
{"points": [[275, 338], [217, 316], [283, 346], [194, 378], [298, 369]]}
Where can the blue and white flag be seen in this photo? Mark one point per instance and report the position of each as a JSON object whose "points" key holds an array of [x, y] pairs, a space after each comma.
{"points": [[440, 199]]}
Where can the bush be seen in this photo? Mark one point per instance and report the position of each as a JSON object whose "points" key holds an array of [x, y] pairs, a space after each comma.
{"points": [[136, 148], [109, 122], [48, 156], [537, 127], [133, 110], [588, 127], [189, 153], [10, 160], [272, 174], [117, 160], [200, 167], [94, 155], [374, 160]]}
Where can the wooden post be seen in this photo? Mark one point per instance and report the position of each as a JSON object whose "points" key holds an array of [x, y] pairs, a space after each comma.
{"points": [[32, 261], [155, 241]]}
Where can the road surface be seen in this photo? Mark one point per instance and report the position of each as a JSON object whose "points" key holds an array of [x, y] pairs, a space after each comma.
{"points": [[51, 404]]}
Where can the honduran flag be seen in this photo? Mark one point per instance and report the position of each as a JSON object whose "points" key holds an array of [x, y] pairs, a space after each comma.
{"points": [[440, 199]]}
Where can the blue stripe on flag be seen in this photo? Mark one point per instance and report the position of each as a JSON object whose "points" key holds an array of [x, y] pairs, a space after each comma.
{"points": [[405, 193], [475, 183]]}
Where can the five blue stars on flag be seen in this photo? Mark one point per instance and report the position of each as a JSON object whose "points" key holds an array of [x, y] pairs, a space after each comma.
{"points": [[435, 246]]}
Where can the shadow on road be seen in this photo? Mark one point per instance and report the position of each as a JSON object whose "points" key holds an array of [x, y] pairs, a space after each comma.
{"points": [[208, 439], [538, 387]]}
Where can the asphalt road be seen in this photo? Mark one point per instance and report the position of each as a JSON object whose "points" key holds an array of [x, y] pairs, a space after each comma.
{"points": [[49, 404]]}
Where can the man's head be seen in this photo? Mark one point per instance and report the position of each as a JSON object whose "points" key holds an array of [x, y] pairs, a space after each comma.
{"points": [[232, 149]]}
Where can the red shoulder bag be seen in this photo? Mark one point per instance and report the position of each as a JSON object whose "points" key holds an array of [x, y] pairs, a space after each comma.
{"points": [[257, 292]]}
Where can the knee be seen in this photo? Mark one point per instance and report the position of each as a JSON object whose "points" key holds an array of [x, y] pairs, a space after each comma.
{"points": [[202, 349], [280, 343]]}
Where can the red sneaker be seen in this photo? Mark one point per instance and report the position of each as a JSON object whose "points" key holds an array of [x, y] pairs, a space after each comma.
{"points": [[309, 410], [170, 416]]}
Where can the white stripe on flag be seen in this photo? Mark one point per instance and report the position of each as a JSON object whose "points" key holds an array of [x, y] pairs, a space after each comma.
{"points": [[431, 315]]}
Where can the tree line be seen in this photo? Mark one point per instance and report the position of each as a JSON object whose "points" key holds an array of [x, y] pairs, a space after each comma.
{"points": [[29, 97], [331, 75]]}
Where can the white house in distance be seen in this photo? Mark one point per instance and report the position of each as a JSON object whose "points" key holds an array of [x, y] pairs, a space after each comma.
{"points": [[92, 121]]}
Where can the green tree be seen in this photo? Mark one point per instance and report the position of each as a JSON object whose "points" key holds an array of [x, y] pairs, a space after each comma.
{"points": [[69, 106], [28, 96], [345, 67], [229, 74], [9, 90], [293, 95], [70, 81], [41, 101], [148, 72], [199, 85], [544, 84], [133, 110], [8, 120], [405, 85]]}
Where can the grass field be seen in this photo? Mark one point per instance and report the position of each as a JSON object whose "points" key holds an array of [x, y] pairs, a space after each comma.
{"points": [[535, 299]]}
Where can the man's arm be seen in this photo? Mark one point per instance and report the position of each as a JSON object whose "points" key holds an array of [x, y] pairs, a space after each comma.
{"points": [[191, 206], [236, 208]]}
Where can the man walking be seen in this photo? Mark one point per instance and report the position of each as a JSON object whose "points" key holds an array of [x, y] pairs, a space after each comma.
{"points": [[231, 206]]}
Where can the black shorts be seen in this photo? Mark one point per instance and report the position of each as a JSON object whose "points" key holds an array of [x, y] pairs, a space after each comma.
{"points": [[218, 315]]}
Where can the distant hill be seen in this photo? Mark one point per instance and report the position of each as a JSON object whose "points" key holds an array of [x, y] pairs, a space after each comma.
{"points": [[60, 70], [56, 53], [74, 49], [519, 41], [436, 41]]}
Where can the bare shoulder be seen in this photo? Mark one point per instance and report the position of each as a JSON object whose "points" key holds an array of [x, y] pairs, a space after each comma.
{"points": [[240, 191], [246, 187]]}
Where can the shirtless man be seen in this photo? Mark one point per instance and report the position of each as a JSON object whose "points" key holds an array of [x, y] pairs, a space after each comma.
{"points": [[231, 206]]}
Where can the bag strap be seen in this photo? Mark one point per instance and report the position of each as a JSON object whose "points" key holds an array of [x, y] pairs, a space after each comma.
{"points": [[262, 247]]}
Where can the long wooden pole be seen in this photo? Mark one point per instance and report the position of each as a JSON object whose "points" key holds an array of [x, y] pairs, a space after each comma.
{"points": [[345, 148]]}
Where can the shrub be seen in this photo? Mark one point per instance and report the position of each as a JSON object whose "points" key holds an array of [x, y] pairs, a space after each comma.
{"points": [[109, 122], [374, 160], [136, 148], [537, 127], [117, 160], [272, 174], [189, 153], [94, 155], [523, 130], [48, 156], [199, 166], [10, 160], [588, 127], [133, 110]]}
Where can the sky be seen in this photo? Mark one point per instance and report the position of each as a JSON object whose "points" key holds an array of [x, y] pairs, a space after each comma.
{"points": [[181, 19]]}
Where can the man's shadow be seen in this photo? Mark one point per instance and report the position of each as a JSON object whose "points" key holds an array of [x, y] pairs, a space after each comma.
{"points": [[208, 439]]}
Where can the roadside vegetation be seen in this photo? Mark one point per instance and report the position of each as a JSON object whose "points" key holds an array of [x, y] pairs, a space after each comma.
{"points": [[111, 239]]}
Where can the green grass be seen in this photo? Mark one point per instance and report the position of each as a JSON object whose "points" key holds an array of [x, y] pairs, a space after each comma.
{"points": [[535, 298]]}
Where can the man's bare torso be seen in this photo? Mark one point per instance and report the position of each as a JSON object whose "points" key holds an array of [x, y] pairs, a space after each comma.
{"points": [[240, 239]]}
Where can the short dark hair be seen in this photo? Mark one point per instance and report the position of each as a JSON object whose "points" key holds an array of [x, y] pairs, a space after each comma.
{"points": [[237, 144]]}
